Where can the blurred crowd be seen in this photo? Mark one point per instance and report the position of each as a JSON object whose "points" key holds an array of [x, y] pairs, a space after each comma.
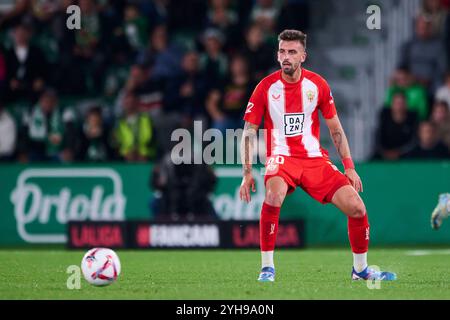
{"points": [[137, 69], [415, 120]]}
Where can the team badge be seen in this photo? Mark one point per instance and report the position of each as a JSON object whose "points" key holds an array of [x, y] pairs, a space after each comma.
{"points": [[311, 95]]}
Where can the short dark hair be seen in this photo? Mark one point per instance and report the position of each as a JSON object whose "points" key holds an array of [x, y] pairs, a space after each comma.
{"points": [[428, 123], [293, 35], [399, 92], [49, 92], [95, 110], [441, 103]]}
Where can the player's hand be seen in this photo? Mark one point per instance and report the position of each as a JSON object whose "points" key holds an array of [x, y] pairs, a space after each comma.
{"points": [[247, 183], [355, 180]]}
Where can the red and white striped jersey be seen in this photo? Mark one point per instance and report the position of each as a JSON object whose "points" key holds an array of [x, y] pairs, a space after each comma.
{"points": [[291, 113]]}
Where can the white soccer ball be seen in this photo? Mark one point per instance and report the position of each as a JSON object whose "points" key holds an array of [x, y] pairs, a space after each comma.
{"points": [[100, 266]]}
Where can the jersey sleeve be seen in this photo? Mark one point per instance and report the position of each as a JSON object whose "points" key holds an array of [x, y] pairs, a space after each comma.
{"points": [[326, 103], [256, 105]]}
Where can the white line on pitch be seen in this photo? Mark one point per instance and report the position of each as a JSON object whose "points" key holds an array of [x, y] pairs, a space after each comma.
{"points": [[427, 252]]}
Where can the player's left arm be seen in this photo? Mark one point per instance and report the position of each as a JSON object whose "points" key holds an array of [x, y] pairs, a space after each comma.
{"points": [[341, 143]]}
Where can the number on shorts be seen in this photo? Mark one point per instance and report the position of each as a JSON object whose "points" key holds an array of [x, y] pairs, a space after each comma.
{"points": [[277, 159]]}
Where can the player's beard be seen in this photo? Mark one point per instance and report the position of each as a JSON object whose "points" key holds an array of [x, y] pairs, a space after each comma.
{"points": [[290, 69]]}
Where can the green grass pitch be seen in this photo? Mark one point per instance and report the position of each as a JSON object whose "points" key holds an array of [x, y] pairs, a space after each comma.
{"points": [[227, 274]]}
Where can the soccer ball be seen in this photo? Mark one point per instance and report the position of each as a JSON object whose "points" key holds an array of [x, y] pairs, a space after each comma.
{"points": [[100, 266]]}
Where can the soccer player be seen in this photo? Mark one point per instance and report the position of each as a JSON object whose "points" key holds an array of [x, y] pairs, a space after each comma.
{"points": [[290, 100], [441, 211]]}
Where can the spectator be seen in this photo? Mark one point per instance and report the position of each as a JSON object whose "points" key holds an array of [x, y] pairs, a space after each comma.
{"points": [[424, 55], [116, 16], [443, 93], [416, 95], [48, 132], [88, 37], [183, 191], [429, 145], [55, 20], [185, 94], [43, 10], [166, 56], [440, 117], [17, 13], [155, 11], [259, 54], [8, 134], [134, 135], [94, 138], [396, 129], [135, 27], [26, 66], [89, 54], [38, 12], [221, 17], [265, 13], [436, 13], [116, 75], [226, 104], [213, 61], [148, 90], [183, 100], [66, 65]]}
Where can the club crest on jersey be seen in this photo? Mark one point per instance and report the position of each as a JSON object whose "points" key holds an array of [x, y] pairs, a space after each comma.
{"points": [[311, 95], [293, 124]]}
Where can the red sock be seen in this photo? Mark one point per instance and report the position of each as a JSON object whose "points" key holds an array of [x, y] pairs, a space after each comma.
{"points": [[358, 234], [268, 226]]}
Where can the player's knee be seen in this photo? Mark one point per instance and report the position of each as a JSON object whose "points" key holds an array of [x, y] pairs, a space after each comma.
{"points": [[355, 208], [274, 198], [358, 209]]}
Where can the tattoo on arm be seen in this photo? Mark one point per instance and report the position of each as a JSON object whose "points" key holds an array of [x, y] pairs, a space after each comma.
{"points": [[337, 140], [247, 144], [341, 143]]}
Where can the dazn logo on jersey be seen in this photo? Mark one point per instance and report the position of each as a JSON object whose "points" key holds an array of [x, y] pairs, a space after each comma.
{"points": [[293, 124]]}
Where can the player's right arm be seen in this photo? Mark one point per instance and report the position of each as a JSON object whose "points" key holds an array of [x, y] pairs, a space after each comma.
{"points": [[247, 146]]}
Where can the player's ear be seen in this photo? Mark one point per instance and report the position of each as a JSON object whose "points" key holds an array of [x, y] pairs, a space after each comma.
{"points": [[304, 57], [278, 58]]}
